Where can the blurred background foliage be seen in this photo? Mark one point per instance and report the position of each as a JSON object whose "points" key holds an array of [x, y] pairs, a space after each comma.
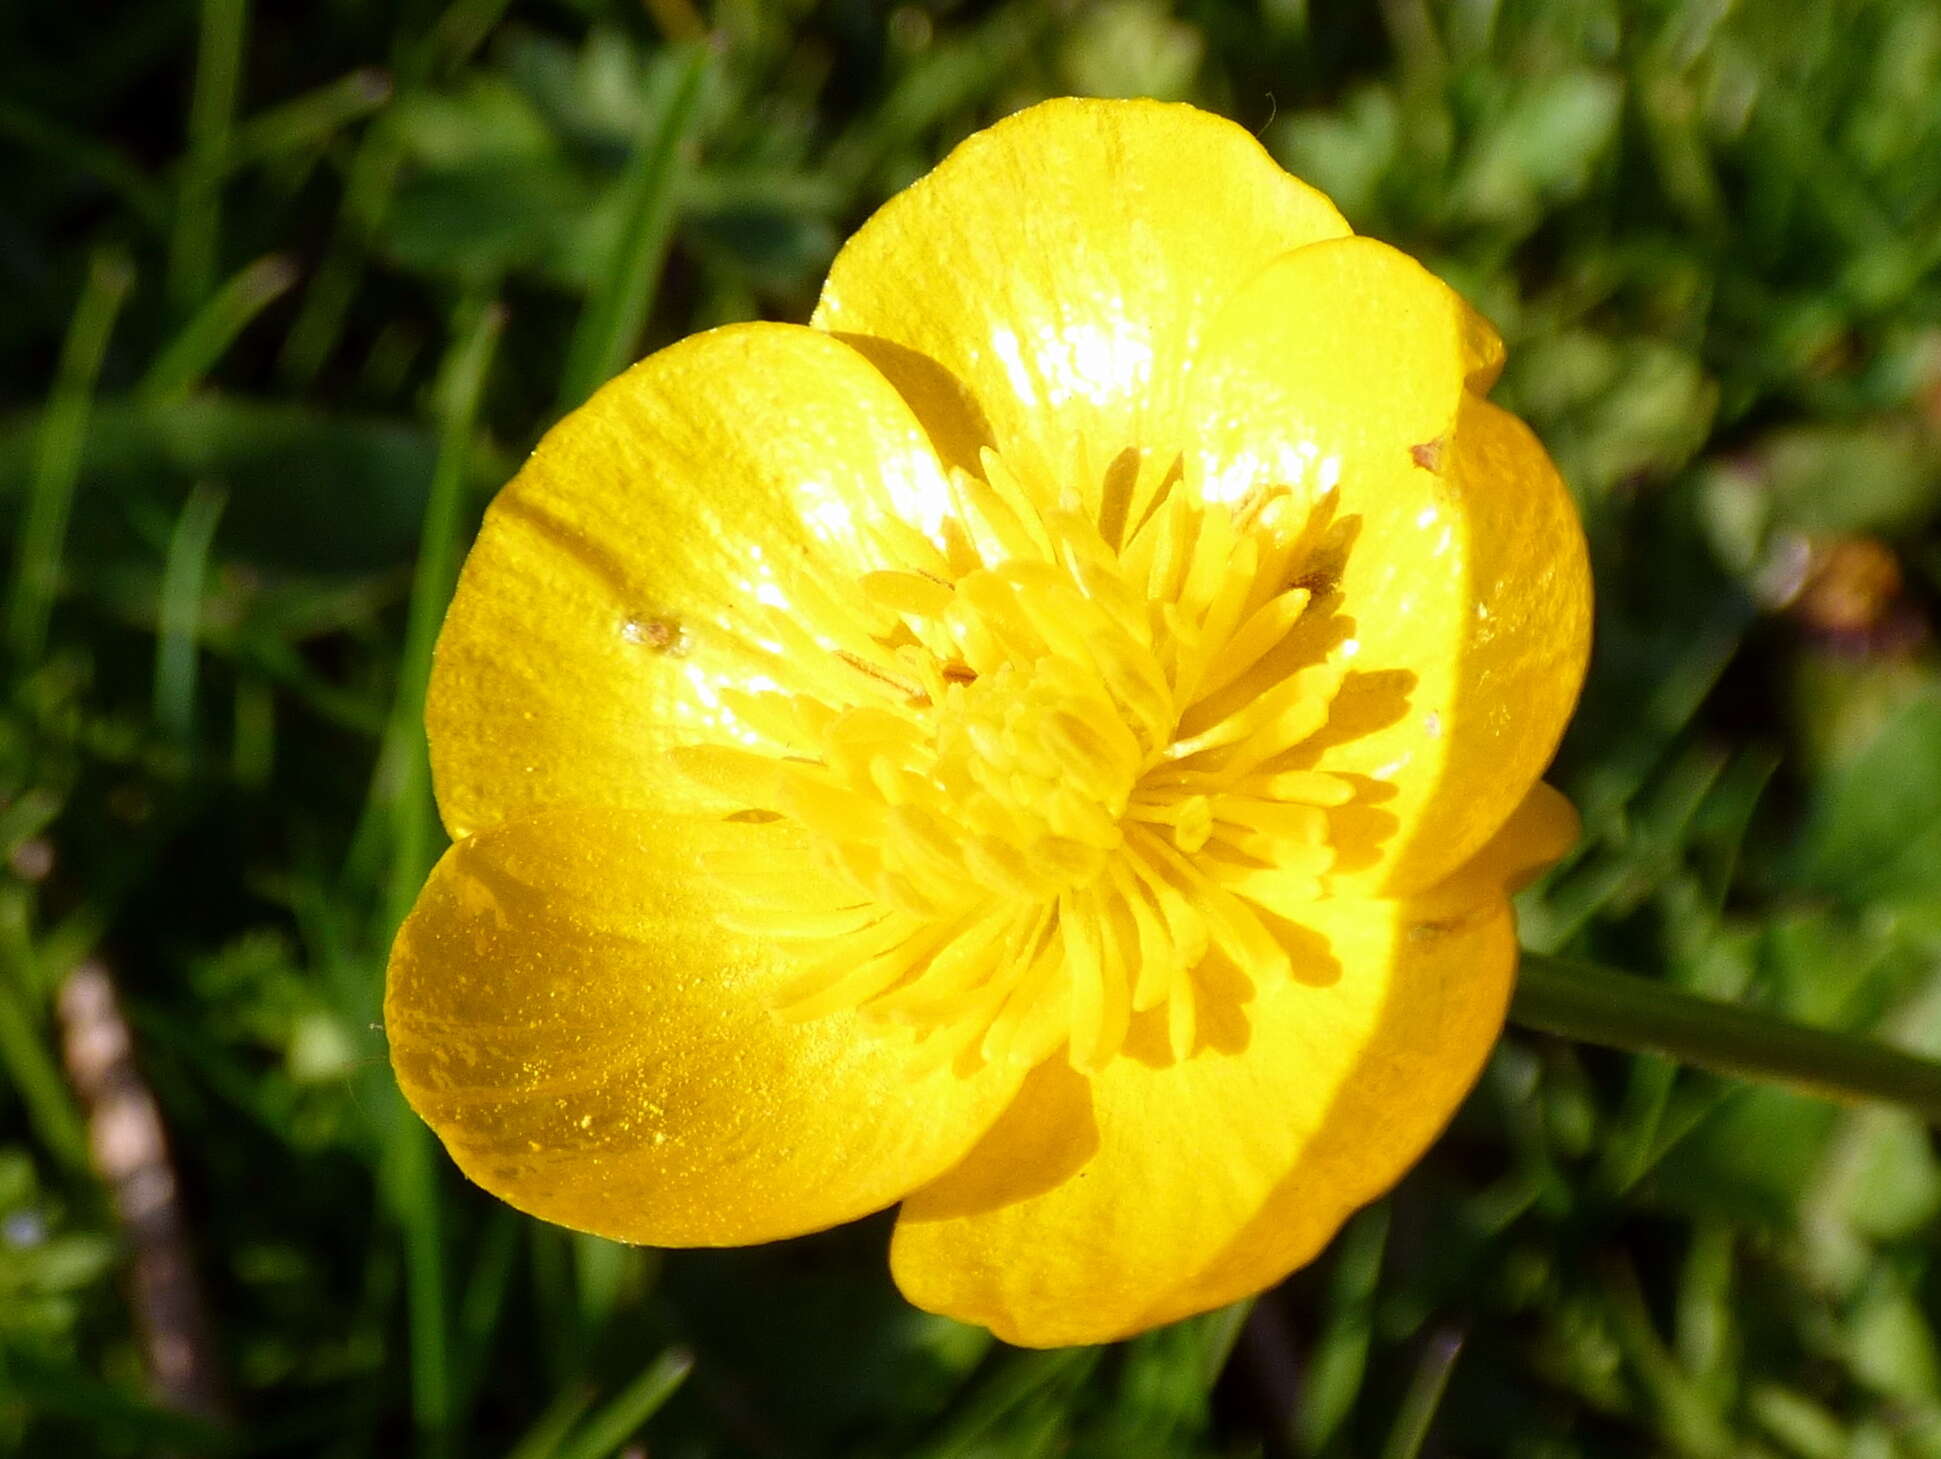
{"points": [[290, 289]]}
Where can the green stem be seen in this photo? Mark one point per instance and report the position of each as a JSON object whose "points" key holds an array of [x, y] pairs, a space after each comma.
{"points": [[1599, 1006]]}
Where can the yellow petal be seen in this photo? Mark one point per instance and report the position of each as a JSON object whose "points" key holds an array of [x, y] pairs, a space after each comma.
{"points": [[620, 580], [1193, 1184], [595, 1049], [1466, 580], [1540, 832], [1043, 289]]}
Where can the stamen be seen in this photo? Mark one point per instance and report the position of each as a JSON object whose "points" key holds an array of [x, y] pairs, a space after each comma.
{"points": [[1261, 632], [1017, 789]]}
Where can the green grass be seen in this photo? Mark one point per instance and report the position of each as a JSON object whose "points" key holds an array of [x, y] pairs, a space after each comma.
{"points": [[292, 289]]}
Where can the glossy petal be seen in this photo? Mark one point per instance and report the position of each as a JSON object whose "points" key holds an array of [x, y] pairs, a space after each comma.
{"points": [[594, 1048], [1196, 1183], [1466, 582], [1539, 833], [618, 581], [1044, 288]]}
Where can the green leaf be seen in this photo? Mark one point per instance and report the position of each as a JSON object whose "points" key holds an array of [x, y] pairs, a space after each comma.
{"points": [[1752, 1160], [306, 490], [1345, 151], [486, 120], [1892, 1346], [1874, 477], [1540, 150], [1131, 48], [486, 217], [1873, 829]]}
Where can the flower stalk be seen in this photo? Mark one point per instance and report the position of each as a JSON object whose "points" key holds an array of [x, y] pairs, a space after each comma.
{"points": [[1598, 1005]]}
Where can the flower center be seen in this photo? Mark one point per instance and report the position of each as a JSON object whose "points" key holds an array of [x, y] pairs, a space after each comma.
{"points": [[1045, 780]]}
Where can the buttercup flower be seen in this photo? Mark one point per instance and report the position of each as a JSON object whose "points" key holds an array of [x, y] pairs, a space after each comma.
{"points": [[1048, 743]]}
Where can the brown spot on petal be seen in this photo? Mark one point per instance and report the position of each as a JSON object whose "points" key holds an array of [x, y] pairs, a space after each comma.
{"points": [[1428, 455], [662, 635]]}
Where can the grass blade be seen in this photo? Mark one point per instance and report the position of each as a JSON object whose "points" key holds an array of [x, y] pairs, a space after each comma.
{"points": [[180, 612], [402, 793], [25, 1052], [372, 177], [57, 456], [213, 328], [1340, 1359], [1016, 1381], [401, 809], [1424, 1397], [308, 120], [550, 1429], [76, 151], [105, 1410], [640, 1400], [481, 1312], [1221, 1330], [609, 327], [410, 1170], [212, 113], [367, 197]]}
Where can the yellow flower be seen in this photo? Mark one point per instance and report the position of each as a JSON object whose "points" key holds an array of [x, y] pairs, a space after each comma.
{"points": [[1047, 743]]}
